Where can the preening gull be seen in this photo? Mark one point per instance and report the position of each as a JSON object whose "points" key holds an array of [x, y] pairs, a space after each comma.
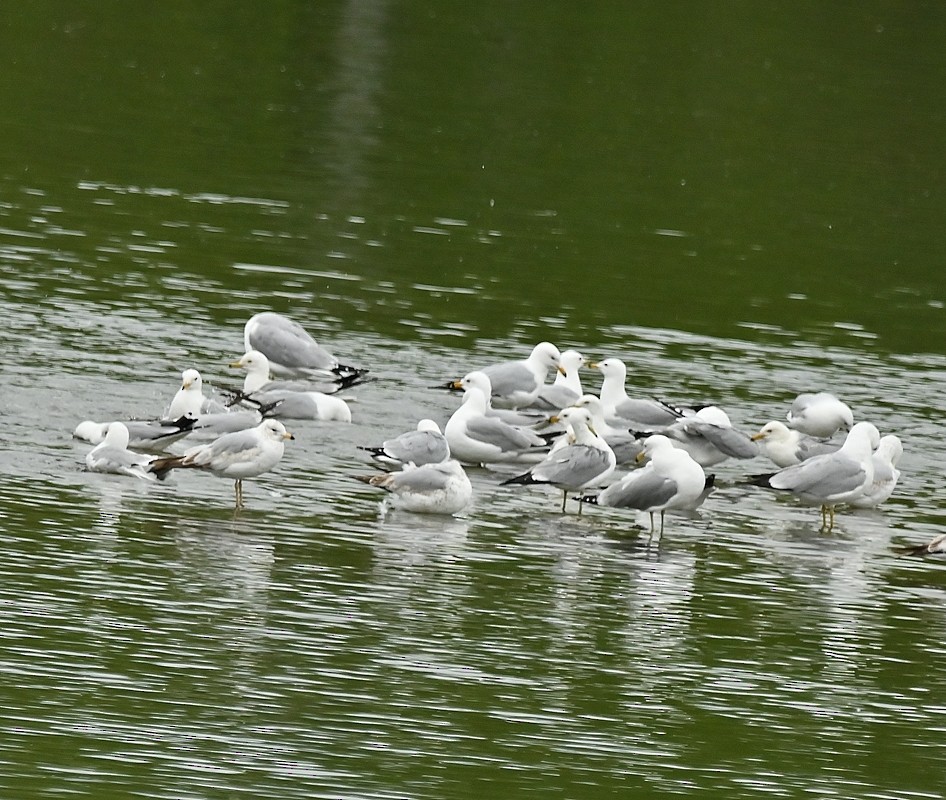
{"points": [[709, 437], [516, 384], [819, 414], [292, 351], [425, 445], [476, 438], [786, 446], [626, 446], [237, 455], [633, 411], [831, 479], [585, 460], [112, 455], [670, 479], [435, 488]]}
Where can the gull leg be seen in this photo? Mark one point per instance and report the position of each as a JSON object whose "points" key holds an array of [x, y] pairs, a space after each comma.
{"points": [[662, 512], [238, 489], [565, 499]]}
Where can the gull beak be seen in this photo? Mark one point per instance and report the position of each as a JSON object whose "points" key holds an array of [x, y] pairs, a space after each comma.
{"points": [[592, 429], [756, 436], [288, 435], [593, 365], [641, 457], [554, 419], [561, 370], [235, 364], [187, 384]]}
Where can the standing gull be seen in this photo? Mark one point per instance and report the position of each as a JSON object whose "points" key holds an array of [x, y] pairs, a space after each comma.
{"points": [[292, 351], [516, 384], [819, 414], [831, 479], [585, 460], [439, 488], [670, 479], [476, 438], [237, 455], [425, 445]]}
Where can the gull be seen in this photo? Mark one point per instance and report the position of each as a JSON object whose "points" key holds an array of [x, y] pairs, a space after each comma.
{"points": [[641, 412], [819, 414], [830, 479], [153, 435], [670, 479], [786, 446], [237, 455], [625, 444], [933, 547], [709, 437], [292, 351], [425, 445], [190, 398], [567, 386], [516, 384], [476, 438], [112, 455], [288, 399], [435, 488], [585, 460], [885, 460]]}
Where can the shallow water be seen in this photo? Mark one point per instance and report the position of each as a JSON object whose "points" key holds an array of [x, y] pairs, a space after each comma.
{"points": [[156, 644]]}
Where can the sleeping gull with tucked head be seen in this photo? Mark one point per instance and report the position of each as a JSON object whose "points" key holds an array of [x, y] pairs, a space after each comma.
{"points": [[112, 455], [819, 414], [437, 488], [425, 445]]}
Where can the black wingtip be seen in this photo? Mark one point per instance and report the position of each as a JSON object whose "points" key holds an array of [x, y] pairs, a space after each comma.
{"points": [[592, 499], [759, 480], [522, 480], [710, 481]]}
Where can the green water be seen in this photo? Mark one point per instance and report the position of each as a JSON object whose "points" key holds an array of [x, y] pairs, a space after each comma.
{"points": [[744, 201]]}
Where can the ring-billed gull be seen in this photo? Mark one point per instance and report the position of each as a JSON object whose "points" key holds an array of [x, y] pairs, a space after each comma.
{"points": [[635, 411], [425, 445], [831, 479], [670, 479], [709, 437], [153, 435], [885, 460], [516, 384], [585, 460], [286, 399], [292, 351], [476, 438], [440, 488], [819, 414], [190, 398], [112, 455], [237, 455], [786, 446], [625, 445], [935, 546], [566, 388]]}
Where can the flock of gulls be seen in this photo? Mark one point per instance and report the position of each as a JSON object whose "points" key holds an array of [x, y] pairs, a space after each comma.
{"points": [[605, 449]]}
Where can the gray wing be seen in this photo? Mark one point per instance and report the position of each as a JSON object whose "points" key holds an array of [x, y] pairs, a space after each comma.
{"points": [[286, 343], [573, 466], [626, 447], [643, 490], [492, 430], [645, 412], [226, 422], [554, 397], [421, 447], [229, 448], [428, 478], [730, 441], [511, 376], [820, 477], [809, 447], [152, 435]]}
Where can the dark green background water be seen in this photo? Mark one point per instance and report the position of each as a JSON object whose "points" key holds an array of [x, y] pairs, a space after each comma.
{"points": [[743, 200]]}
